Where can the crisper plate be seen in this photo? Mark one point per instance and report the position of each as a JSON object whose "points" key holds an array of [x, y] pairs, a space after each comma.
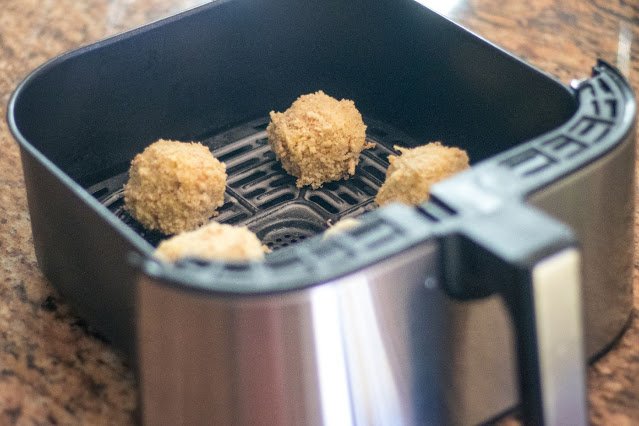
{"points": [[263, 196]]}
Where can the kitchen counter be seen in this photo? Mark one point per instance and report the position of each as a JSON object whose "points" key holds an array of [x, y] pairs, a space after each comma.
{"points": [[56, 370]]}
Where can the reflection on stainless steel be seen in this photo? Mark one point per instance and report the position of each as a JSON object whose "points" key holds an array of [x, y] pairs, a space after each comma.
{"points": [[624, 49], [379, 387], [556, 283], [369, 348], [598, 204], [331, 365]]}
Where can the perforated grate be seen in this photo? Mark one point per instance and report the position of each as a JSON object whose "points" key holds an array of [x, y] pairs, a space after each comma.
{"points": [[262, 196]]}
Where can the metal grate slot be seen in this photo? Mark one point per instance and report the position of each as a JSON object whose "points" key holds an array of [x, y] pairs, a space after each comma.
{"points": [[256, 193], [242, 166], [346, 197], [378, 174], [277, 200], [250, 179], [365, 188], [282, 181], [324, 203], [241, 150]]}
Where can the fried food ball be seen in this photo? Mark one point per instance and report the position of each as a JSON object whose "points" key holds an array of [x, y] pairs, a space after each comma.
{"points": [[174, 186], [341, 226], [318, 139], [410, 176], [214, 241]]}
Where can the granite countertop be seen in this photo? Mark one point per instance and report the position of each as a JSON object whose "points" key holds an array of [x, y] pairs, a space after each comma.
{"points": [[55, 370]]}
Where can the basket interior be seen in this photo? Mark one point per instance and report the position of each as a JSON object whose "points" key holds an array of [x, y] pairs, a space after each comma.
{"points": [[214, 73]]}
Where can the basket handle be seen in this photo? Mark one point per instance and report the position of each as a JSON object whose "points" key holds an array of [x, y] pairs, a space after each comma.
{"points": [[532, 261]]}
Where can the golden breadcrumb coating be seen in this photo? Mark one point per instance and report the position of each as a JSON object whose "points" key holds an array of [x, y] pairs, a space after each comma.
{"points": [[341, 226], [174, 186], [318, 139], [410, 176], [214, 241]]}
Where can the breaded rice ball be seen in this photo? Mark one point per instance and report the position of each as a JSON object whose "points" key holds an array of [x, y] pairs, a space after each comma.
{"points": [[214, 241], [318, 139], [410, 176], [174, 186], [341, 226]]}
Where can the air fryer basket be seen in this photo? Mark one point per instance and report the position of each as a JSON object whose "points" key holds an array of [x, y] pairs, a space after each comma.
{"points": [[213, 74]]}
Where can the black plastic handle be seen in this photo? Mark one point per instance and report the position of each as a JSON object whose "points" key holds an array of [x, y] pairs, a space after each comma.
{"points": [[533, 262]]}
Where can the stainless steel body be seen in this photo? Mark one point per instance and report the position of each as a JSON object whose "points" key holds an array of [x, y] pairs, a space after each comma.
{"points": [[369, 348], [598, 204], [385, 346]]}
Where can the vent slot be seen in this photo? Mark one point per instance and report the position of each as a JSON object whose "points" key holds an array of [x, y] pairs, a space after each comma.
{"points": [[375, 233], [242, 166], [324, 203], [565, 147], [528, 162], [590, 129], [612, 107], [604, 85], [282, 181], [251, 179], [601, 100], [376, 173], [241, 150], [346, 197], [277, 200], [436, 210], [364, 187], [256, 193]]}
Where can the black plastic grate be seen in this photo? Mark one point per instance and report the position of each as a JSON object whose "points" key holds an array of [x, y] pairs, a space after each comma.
{"points": [[262, 196]]}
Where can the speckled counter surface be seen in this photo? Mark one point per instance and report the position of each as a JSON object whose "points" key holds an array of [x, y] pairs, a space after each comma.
{"points": [[53, 370]]}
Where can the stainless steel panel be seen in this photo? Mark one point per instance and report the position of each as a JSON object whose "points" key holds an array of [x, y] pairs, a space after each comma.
{"points": [[560, 347], [598, 203], [366, 349], [482, 363]]}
